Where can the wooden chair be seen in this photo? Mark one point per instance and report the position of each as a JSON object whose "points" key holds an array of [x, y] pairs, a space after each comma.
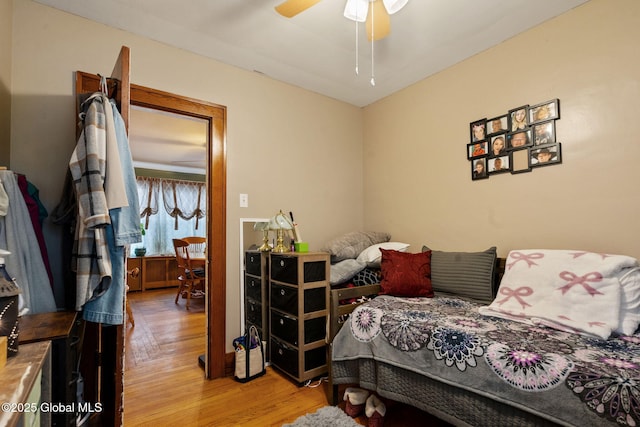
{"points": [[197, 249], [133, 273], [197, 246], [190, 275]]}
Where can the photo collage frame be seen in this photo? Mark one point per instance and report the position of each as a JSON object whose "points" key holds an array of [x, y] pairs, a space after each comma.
{"points": [[522, 139]]}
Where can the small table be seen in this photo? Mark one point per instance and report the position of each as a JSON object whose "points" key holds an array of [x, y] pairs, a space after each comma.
{"points": [[64, 330], [198, 259], [46, 326]]}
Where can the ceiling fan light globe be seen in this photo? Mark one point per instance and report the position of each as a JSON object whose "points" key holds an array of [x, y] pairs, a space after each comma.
{"points": [[356, 10], [393, 6]]}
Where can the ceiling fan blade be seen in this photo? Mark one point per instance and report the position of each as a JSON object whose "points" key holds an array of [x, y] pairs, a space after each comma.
{"points": [[291, 8], [378, 21], [393, 6]]}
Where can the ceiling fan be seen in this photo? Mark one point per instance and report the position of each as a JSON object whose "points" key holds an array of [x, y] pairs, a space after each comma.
{"points": [[374, 12]]}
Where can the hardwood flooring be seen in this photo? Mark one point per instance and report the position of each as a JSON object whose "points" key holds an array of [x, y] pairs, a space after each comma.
{"points": [[165, 386]]}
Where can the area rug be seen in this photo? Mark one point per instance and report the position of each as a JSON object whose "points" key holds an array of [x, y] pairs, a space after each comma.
{"points": [[327, 416]]}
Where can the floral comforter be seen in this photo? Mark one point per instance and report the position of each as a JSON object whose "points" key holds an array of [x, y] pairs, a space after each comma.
{"points": [[567, 378]]}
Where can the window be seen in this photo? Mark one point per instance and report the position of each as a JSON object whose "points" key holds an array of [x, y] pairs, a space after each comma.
{"points": [[174, 209]]}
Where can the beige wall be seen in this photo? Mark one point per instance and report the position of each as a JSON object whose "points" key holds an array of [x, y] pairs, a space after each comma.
{"points": [[417, 178], [287, 148], [292, 149], [5, 80]]}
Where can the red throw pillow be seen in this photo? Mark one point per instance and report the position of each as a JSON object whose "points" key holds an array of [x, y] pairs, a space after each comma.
{"points": [[406, 274]]}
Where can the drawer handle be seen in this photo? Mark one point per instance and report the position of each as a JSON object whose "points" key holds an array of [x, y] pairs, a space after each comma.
{"points": [[282, 321], [251, 258], [281, 263], [282, 292]]}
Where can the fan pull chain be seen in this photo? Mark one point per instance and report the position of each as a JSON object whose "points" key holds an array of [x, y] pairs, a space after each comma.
{"points": [[356, 47], [373, 77], [373, 32]]}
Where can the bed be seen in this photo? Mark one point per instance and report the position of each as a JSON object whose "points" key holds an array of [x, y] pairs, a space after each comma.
{"points": [[553, 342]]}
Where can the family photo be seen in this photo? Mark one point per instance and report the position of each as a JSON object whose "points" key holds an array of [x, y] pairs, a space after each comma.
{"points": [[515, 142]]}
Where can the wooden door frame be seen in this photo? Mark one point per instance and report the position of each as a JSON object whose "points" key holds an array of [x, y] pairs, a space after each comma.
{"points": [[216, 211]]}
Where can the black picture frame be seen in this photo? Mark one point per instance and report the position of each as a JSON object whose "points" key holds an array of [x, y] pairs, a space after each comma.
{"points": [[475, 174], [493, 129], [515, 139], [552, 155], [544, 133], [518, 121], [499, 164], [519, 161], [474, 153], [529, 140], [473, 126], [495, 140], [548, 110]]}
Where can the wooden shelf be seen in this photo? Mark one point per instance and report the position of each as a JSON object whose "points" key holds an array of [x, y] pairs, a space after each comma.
{"points": [[155, 272]]}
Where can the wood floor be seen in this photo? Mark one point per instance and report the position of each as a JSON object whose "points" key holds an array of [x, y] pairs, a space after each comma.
{"points": [[164, 384]]}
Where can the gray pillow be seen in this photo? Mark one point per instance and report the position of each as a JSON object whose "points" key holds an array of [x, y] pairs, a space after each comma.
{"points": [[351, 244], [345, 270], [465, 274]]}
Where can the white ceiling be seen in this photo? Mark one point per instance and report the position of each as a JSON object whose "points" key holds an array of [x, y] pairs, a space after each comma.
{"points": [[167, 141], [316, 49]]}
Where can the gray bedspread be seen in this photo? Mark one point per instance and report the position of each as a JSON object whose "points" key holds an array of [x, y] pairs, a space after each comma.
{"points": [[555, 376]]}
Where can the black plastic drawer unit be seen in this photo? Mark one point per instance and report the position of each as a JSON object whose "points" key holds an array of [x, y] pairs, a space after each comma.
{"points": [[284, 269], [253, 313], [253, 263], [253, 287], [315, 358], [256, 292], [314, 271], [298, 304], [284, 327], [284, 298], [315, 299], [284, 356]]}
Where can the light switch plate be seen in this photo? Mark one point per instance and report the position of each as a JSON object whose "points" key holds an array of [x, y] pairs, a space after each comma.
{"points": [[244, 200]]}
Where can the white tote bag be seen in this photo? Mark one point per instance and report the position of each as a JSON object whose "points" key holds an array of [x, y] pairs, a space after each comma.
{"points": [[249, 365]]}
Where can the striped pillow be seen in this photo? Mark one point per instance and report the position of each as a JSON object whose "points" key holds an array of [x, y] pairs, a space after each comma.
{"points": [[464, 274]]}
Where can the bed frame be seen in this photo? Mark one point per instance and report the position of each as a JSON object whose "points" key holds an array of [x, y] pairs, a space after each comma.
{"points": [[337, 311]]}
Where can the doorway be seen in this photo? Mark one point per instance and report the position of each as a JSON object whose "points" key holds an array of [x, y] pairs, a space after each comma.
{"points": [[215, 116], [169, 153]]}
